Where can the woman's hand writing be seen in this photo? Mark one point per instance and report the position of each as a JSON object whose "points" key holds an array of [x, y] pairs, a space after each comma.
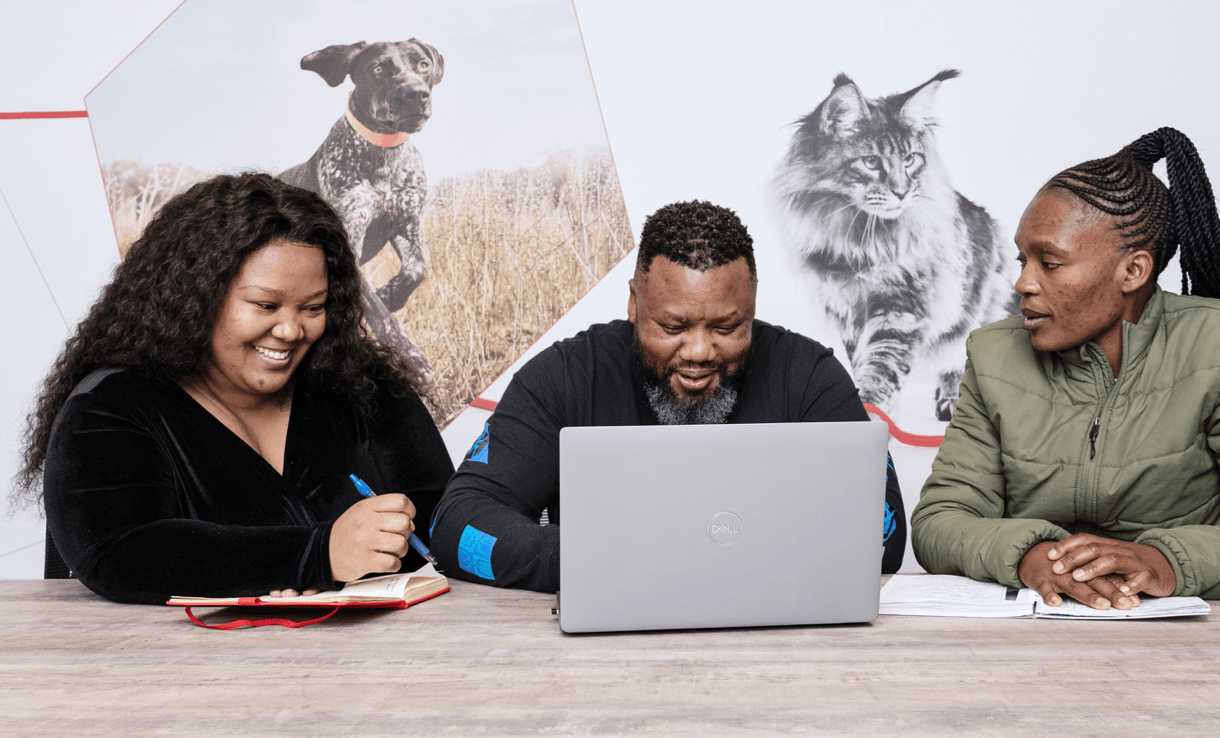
{"points": [[371, 536]]}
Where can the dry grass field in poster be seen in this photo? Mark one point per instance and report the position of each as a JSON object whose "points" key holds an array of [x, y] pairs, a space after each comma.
{"points": [[508, 253]]}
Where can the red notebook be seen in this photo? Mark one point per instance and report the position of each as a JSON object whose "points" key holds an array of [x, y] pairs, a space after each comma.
{"points": [[392, 591]]}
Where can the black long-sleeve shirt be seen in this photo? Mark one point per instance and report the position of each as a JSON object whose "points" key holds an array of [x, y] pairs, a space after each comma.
{"points": [[148, 495], [486, 528]]}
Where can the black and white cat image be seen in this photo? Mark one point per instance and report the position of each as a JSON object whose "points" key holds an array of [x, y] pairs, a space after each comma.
{"points": [[904, 266]]}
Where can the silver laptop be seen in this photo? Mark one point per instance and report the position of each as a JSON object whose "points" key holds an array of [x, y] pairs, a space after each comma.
{"points": [[713, 526]]}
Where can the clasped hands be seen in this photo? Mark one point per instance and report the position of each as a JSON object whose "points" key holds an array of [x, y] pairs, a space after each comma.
{"points": [[370, 536], [1098, 572]]}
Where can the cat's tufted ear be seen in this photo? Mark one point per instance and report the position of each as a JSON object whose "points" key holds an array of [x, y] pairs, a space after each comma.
{"points": [[917, 110], [844, 109]]}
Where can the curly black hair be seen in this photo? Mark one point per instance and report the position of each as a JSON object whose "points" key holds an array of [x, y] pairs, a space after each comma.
{"points": [[156, 315], [1149, 215], [698, 235]]}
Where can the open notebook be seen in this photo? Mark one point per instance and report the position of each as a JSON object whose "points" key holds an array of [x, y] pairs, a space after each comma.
{"points": [[392, 591], [960, 597]]}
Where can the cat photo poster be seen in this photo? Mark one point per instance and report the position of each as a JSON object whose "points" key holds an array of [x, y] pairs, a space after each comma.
{"points": [[881, 153], [902, 264]]}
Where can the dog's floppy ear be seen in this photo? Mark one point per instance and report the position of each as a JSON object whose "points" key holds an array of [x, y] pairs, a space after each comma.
{"points": [[333, 62], [437, 70]]}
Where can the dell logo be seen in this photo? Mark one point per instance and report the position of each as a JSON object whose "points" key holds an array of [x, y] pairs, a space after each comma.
{"points": [[724, 528]]}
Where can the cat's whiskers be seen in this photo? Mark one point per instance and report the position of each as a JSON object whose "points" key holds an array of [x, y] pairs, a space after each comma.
{"points": [[832, 196], [874, 239], [851, 223], [869, 238], [833, 213]]}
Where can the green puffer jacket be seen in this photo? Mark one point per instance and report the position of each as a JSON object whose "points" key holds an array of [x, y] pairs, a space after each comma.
{"points": [[1020, 465]]}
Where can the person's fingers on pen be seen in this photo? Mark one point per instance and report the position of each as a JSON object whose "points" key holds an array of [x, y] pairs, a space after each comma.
{"points": [[393, 522], [385, 562], [392, 503], [392, 543]]}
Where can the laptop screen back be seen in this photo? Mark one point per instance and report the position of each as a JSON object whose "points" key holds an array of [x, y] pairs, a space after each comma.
{"points": [[706, 526]]}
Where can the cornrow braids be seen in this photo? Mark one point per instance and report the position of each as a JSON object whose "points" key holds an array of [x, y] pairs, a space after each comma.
{"points": [[1152, 216], [697, 235]]}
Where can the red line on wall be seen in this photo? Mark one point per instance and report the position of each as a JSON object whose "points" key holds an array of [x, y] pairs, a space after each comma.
{"points": [[899, 434], [483, 404], [910, 439], [45, 114]]}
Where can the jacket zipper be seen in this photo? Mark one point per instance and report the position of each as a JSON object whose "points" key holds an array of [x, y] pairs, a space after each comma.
{"points": [[1086, 498]]}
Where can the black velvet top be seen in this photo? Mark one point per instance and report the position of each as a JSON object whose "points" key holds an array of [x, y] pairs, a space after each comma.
{"points": [[148, 495]]}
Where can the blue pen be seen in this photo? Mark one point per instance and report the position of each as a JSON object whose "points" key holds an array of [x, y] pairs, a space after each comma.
{"points": [[416, 544]]}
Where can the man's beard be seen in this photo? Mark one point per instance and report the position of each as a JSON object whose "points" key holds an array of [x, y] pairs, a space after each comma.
{"points": [[716, 407]]}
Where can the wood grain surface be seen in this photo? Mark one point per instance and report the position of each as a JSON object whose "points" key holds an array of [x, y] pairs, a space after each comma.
{"points": [[481, 661]]}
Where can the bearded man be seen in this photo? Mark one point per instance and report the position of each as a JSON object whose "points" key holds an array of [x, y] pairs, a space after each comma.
{"points": [[690, 351]]}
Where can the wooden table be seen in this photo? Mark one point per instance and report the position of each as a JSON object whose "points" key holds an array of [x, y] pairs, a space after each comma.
{"points": [[481, 661]]}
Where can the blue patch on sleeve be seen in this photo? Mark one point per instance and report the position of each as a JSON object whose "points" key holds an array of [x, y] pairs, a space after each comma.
{"points": [[887, 529], [478, 452], [474, 552]]}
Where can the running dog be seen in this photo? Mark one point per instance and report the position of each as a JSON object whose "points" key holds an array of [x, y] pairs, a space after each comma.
{"points": [[370, 174]]}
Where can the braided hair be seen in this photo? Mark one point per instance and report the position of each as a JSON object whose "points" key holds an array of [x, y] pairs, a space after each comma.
{"points": [[1152, 216]]}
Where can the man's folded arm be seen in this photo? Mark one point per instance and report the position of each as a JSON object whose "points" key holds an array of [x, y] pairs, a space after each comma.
{"points": [[479, 537], [486, 528]]}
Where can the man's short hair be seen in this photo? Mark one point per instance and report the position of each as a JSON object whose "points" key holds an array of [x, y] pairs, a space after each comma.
{"points": [[697, 235]]}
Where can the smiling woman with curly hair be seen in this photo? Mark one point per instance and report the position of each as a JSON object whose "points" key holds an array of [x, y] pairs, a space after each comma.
{"points": [[197, 432]]}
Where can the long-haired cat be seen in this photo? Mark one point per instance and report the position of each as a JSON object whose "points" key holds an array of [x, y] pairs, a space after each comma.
{"points": [[902, 264]]}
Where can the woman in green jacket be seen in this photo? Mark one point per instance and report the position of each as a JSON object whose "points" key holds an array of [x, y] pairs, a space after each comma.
{"points": [[1082, 455]]}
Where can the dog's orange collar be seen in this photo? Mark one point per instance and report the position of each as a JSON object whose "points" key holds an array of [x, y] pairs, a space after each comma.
{"points": [[384, 140]]}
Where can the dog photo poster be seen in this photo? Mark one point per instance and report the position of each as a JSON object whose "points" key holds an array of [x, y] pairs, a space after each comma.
{"points": [[461, 143]]}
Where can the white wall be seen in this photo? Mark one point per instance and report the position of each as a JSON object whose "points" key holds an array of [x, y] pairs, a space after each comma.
{"points": [[57, 246], [696, 96]]}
